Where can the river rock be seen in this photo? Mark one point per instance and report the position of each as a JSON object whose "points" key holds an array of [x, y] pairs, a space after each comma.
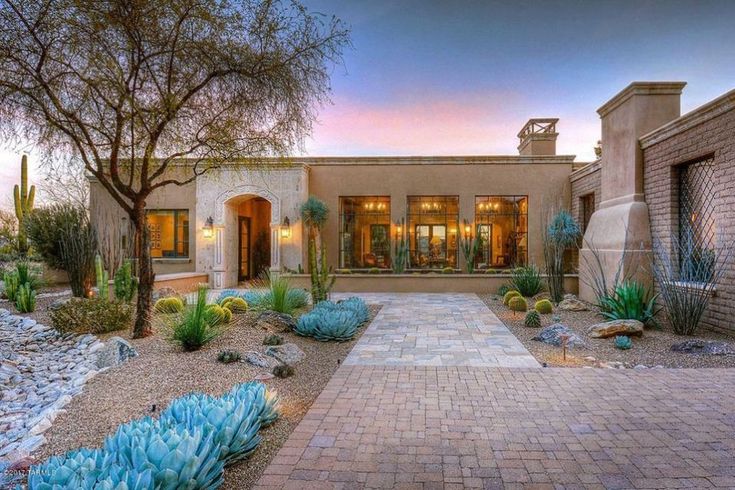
{"points": [[705, 347], [571, 303], [287, 353], [115, 352], [553, 335], [604, 330], [280, 322]]}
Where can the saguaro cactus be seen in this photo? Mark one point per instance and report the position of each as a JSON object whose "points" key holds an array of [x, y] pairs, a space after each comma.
{"points": [[23, 199]]}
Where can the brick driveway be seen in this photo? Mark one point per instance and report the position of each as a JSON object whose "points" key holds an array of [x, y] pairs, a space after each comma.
{"points": [[496, 427]]}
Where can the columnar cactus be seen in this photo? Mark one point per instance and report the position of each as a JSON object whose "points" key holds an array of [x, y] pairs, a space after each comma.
{"points": [[126, 284], [23, 199], [400, 249], [103, 278], [314, 213]]}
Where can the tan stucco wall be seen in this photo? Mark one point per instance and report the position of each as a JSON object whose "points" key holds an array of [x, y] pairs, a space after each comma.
{"points": [[544, 182]]}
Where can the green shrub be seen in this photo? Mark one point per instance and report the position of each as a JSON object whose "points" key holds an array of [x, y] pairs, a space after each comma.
{"points": [[518, 303], [125, 283], [526, 280], [623, 342], [26, 275], [283, 371], [533, 319], [373, 270], [504, 288], [630, 300], [544, 306], [198, 326], [91, 315], [235, 305], [25, 300], [169, 305], [228, 356], [12, 283], [508, 295], [447, 270], [273, 339]]}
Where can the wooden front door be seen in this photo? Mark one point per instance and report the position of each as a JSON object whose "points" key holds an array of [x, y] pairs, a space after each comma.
{"points": [[244, 249]]}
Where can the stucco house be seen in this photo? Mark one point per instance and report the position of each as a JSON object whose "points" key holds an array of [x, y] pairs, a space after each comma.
{"points": [[235, 222]]}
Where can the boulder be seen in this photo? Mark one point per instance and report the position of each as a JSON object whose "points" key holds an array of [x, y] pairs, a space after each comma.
{"points": [[257, 359], [706, 347], [115, 352], [553, 335], [287, 353], [629, 328], [571, 303], [279, 322]]}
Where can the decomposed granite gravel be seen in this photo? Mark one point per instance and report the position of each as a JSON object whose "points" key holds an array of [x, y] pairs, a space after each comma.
{"points": [[161, 372]]}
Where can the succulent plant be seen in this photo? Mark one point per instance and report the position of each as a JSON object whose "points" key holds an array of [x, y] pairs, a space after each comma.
{"points": [[103, 278], [518, 303], [25, 299], [217, 314], [81, 468], [267, 403], [228, 356], [273, 339], [543, 306], [283, 371], [235, 305], [508, 295], [556, 318], [503, 289], [533, 319], [623, 342], [357, 306], [169, 305], [23, 199], [12, 282], [126, 284], [328, 324]]}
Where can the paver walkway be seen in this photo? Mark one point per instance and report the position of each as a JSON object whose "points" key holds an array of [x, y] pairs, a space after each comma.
{"points": [[450, 426]]}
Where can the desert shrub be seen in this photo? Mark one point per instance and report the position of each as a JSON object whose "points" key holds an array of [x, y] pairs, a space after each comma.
{"points": [[26, 275], [198, 326], [91, 315], [273, 339], [544, 306], [532, 320], [526, 280], [228, 356], [630, 300], [275, 294], [283, 370], [169, 305], [509, 295], [518, 303], [78, 251], [623, 342], [25, 300]]}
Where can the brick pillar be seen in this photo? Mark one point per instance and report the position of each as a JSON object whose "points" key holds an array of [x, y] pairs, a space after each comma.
{"points": [[622, 222]]}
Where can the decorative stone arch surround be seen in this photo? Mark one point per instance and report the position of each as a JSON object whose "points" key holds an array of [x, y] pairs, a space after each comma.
{"points": [[247, 190]]}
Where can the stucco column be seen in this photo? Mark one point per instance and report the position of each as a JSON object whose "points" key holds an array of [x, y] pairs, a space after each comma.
{"points": [[218, 264], [621, 227], [275, 247]]}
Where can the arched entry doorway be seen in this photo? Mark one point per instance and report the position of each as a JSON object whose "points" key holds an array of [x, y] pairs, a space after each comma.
{"points": [[253, 237]]}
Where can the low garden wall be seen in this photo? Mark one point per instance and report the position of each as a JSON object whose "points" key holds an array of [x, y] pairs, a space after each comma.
{"points": [[421, 283], [183, 282]]}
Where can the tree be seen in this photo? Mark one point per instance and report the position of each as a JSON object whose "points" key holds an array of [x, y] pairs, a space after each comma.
{"points": [[63, 184], [152, 94]]}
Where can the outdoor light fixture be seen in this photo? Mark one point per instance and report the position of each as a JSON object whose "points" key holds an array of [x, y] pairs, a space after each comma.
{"points": [[467, 229], [208, 229], [286, 228]]}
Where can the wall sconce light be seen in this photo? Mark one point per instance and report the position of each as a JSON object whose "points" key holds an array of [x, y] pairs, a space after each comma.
{"points": [[286, 228], [467, 229], [208, 229]]}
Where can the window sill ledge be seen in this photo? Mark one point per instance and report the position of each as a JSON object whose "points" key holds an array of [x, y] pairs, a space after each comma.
{"points": [[185, 260]]}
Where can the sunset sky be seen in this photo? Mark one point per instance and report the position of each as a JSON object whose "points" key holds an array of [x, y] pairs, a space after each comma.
{"points": [[462, 77]]}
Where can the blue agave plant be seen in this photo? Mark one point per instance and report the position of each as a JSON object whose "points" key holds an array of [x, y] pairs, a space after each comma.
{"points": [[357, 306], [266, 403], [176, 456], [122, 478], [81, 468], [326, 323], [623, 342]]}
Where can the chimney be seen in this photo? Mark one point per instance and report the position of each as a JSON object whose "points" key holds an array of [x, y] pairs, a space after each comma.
{"points": [[538, 137]]}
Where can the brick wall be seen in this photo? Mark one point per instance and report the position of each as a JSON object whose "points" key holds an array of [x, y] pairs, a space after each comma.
{"points": [[585, 181], [707, 131]]}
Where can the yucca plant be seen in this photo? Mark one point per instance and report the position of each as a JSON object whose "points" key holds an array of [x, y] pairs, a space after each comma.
{"points": [[198, 326], [630, 300], [26, 275], [25, 300], [527, 280], [12, 283]]}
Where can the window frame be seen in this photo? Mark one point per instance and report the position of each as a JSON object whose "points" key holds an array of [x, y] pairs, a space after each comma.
{"points": [[517, 220], [341, 231], [176, 213], [412, 226]]}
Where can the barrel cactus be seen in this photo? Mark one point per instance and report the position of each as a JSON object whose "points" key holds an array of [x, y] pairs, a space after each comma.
{"points": [[518, 303], [508, 295], [623, 342], [543, 306], [169, 305], [218, 315], [533, 319], [235, 304]]}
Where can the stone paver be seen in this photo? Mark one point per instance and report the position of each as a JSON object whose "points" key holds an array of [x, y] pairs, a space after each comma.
{"points": [[462, 426], [421, 329]]}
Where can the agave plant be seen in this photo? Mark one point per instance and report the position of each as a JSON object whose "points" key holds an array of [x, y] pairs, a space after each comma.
{"points": [[177, 456], [357, 306], [630, 300], [266, 402], [81, 468], [325, 324]]}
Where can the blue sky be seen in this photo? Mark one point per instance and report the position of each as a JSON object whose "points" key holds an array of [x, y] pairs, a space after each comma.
{"points": [[451, 77]]}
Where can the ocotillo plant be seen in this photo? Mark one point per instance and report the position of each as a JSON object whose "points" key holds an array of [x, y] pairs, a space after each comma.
{"points": [[103, 278], [314, 213], [400, 249], [23, 199]]}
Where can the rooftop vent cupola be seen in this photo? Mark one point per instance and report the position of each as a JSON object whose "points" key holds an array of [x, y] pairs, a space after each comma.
{"points": [[538, 137]]}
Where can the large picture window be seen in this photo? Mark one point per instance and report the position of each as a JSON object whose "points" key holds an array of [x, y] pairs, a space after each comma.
{"points": [[169, 229], [433, 222], [502, 222], [364, 232]]}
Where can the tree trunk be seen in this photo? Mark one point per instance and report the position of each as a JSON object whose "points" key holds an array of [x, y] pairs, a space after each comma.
{"points": [[146, 277]]}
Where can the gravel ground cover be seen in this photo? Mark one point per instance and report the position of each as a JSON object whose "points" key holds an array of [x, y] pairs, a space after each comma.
{"points": [[146, 384], [651, 350]]}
